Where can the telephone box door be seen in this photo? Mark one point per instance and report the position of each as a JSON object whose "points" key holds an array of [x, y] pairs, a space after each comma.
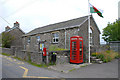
{"points": [[81, 51], [76, 49], [73, 48]]}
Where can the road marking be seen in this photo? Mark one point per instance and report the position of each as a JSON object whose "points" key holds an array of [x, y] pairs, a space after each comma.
{"points": [[20, 63], [26, 71], [36, 77], [11, 59], [14, 59]]}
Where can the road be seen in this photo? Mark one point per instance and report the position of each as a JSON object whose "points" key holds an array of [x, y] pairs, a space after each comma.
{"points": [[12, 68]]}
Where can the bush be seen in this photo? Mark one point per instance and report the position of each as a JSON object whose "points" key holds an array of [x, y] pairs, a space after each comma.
{"points": [[106, 56], [105, 60], [93, 54], [117, 56], [55, 48], [100, 56]]}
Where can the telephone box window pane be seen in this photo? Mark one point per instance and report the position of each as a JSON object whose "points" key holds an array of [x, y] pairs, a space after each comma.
{"points": [[80, 52], [80, 44], [73, 45]]}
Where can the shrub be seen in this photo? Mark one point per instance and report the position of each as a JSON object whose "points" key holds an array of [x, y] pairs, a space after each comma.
{"points": [[55, 48], [109, 58], [117, 56], [101, 56], [93, 54], [106, 56], [105, 60]]}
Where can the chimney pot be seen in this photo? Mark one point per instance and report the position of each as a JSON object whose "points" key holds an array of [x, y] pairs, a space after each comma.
{"points": [[16, 24], [7, 28]]}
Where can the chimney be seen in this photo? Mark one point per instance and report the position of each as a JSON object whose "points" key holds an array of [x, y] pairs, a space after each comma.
{"points": [[16, 24], [7, 28]]}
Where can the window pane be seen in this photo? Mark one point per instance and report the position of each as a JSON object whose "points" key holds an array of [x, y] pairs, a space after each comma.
{"points": [[53, 40], [38, 38], [55, 35], [57, 40], [28, 39]]}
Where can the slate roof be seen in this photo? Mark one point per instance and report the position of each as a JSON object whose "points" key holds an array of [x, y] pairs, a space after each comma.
{"points": [[13, 29], [57, 26]]}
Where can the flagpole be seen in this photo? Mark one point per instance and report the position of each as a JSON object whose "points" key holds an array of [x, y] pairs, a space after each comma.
{"points": [[88, 33]]}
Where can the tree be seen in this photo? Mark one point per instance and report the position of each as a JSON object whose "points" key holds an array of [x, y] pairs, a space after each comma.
{"points": [[6, 39], [112, 32]]}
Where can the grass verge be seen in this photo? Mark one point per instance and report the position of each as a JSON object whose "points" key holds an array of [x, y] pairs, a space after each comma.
{"points": [[34, 64], [72, 69], [5, 54], [84, 65]]}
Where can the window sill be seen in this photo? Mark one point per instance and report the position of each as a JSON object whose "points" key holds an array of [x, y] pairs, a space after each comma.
{"points": [[54, 42]]}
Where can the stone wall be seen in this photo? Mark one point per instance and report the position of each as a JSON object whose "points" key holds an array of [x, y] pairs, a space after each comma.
{"points": [[35, 57], [7, 51], [33, 46], [63, 57]]}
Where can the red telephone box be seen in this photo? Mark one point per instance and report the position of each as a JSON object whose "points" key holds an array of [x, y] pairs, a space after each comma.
{"points": [[76, 49]]}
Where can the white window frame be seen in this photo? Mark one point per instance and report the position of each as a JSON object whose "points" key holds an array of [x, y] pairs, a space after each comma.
{"points": [[37, 39], [55, 37], [28, 40]]}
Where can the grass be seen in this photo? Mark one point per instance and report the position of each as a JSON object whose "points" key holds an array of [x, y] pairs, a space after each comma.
{"points": [[18, 58], [37, 65], [29, 61], [72, 69], [84, 65], [55, 48], [5, 54]]}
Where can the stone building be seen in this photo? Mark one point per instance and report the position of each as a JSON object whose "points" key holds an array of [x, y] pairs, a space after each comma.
{"points": [[17, 33], [59, 34]]}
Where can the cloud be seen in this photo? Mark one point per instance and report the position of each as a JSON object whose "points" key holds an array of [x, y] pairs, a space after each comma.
{"points": [[36, 13]]}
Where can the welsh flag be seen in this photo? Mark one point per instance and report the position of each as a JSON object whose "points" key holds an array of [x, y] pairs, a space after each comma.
{"points": [[95, 10]]}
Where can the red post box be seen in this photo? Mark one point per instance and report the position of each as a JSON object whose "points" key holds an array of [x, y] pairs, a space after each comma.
{"points": [[76, 49], [44, 52]]}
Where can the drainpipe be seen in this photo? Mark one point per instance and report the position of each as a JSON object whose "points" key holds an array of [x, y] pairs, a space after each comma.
{"points": [[65, 38]]}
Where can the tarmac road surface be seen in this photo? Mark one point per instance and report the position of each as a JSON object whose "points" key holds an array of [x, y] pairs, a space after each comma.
{"points": [[12, 68]]}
